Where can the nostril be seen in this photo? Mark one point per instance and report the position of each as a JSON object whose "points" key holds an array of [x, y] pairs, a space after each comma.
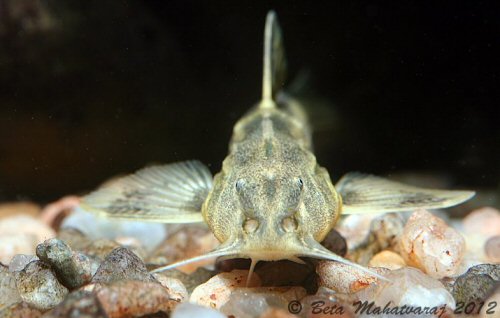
{"points": [[289, 224], [250, 225]]}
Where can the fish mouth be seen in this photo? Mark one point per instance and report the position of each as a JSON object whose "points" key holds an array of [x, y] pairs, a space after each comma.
{"points": [[307, 247], [270, 255]]}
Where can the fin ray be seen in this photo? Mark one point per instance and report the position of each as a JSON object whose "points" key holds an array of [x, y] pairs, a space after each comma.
{"points": [[171, 193], [364, 193]]}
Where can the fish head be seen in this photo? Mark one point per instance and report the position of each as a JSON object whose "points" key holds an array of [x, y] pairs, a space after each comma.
{"points": [[272, 212]]}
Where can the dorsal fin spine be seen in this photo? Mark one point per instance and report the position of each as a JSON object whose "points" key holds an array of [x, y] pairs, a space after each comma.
{"points": [[267, 82], [273, 68]]}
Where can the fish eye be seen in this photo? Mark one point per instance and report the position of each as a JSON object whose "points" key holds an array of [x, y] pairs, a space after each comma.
{"points": [[300, 182], [239, 184], [289, 224]]}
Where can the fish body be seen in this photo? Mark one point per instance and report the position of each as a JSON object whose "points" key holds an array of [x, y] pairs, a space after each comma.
{"points": [[272, 181], [271, 200]]}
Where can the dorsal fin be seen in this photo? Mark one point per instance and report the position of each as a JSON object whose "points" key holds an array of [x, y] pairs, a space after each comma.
{"points": [[274, 61]]}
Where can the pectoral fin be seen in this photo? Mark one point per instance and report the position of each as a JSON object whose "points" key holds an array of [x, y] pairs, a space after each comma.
{"points": [[172, 193], [363, 193]]}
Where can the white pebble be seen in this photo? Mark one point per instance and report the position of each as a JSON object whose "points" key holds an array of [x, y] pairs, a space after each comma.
{"points": [[254, 302], [176, 288], [217, 290], [8, 290], [344, 278], [410, 287], [149, 234], [20, 261], [355, 228], [188, 310]]}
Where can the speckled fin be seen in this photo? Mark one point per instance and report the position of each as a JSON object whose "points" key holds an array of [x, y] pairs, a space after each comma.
{"points": [[274, 60], [171, 193], [363, 193]]}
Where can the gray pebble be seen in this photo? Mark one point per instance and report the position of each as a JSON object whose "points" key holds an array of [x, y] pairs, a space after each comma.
{"points": [[73, 269], [122, 264], [477, 283], [492, 270], [39, 287]]}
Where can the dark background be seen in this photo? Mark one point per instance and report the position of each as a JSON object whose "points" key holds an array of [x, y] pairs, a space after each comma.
{"points": [[90, 89]]}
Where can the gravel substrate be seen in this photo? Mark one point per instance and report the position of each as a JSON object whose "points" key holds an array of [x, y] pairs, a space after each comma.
{"points": [[429, 261]]}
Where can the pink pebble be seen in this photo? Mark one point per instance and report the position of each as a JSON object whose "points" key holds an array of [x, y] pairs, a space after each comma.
{"points": [[485, 221], [429, 244], [492, 248]]}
